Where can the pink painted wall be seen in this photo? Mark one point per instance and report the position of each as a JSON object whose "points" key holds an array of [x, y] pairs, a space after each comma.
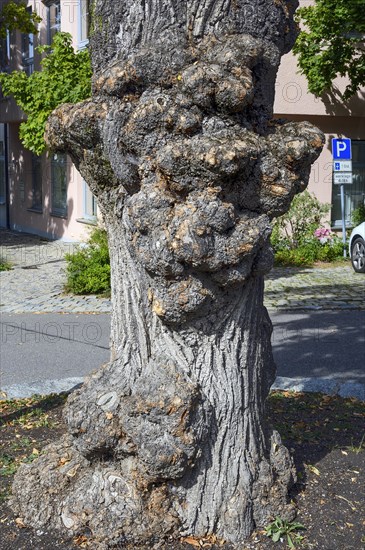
{"points": [[22, 217]]}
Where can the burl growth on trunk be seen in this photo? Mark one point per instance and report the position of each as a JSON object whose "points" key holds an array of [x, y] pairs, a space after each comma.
{"points": [[189, 168]]}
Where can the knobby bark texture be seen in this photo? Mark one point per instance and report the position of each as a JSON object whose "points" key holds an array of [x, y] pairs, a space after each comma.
{"points": [[179, 146]]}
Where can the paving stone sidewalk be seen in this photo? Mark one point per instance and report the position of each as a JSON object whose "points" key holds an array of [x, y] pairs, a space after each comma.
{"points": [[35, 284], [316, 288]]}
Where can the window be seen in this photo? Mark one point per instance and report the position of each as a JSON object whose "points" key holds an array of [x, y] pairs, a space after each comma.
{"points": [[5, 53], [37, 195], [90, 204], [28, 51], [84, 23], [53, 19], [2, 165], [355, 193], [59, 184]]}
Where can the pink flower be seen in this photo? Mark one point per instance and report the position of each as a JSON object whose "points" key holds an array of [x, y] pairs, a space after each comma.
{"points": [[322, 232]]}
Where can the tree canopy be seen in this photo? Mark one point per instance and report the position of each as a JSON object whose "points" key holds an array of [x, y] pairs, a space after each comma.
{"points": [[65, 77], [15, 16], [332, 44]]}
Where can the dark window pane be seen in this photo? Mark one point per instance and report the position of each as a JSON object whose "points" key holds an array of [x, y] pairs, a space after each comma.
{"points": [[37, 201], [59, 184]]}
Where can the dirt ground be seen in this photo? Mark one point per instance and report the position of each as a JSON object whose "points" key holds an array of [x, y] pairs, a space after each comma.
{"points": [[326, 436]]}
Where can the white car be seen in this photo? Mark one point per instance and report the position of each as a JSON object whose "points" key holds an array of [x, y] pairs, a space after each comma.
{"points": [[357, 248]]}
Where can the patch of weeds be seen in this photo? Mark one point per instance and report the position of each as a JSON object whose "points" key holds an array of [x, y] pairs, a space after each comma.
{"points": [[4, 495], [35, 418], [31, 412], [21, 443], [357, 448], [4, 265], [29, 459], [8, 465], [280, 529]]}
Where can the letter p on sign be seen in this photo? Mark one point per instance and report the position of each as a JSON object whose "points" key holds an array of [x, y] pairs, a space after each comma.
{"points": [[341, 149]]}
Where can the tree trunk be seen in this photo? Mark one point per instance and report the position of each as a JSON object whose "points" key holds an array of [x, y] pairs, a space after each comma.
{"points": [[179, 146]]}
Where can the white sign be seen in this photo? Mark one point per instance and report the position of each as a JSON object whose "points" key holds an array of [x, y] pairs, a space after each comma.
{"points": [[341, 178], [342, 166]]}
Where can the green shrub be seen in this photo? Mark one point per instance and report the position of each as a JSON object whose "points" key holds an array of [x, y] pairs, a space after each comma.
{"points": [[301, 256], [88, 269], [358, 215], [302, 219]]}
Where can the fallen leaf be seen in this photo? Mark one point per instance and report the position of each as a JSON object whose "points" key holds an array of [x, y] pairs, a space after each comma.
{"points": [[348, 502], [327, 398], [190, 540], [20, 523], [314, 470], [73, 471], [63, 461], [301, 425], [81, 541], [35, 451]]}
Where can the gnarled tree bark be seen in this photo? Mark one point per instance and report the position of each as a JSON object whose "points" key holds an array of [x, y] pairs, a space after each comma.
{"points": [[179, 145]]}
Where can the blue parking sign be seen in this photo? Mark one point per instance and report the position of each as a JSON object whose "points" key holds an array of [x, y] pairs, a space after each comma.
{"points": [[341, 149]]}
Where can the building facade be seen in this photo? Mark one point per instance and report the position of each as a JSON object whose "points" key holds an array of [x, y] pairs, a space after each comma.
{"points": [[47, 196], [42, 195], [336, 120]]}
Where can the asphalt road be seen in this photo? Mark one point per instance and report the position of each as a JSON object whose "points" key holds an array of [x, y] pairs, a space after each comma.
{"points": [[313, 350]]}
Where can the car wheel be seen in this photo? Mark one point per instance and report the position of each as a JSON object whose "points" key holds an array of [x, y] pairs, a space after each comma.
{"points": [[358, 255]]}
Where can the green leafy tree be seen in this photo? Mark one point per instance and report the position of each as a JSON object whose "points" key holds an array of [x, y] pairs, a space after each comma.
{"points": [[332, 44], [15, 16], [65, 77]]}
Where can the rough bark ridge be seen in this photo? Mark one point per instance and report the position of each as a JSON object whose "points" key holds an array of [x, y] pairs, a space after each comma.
{"points": [[179, 145]]}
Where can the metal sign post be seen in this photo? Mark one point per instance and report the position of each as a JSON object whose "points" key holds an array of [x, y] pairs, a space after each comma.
{"points": [[343, 220], [342, 168]]}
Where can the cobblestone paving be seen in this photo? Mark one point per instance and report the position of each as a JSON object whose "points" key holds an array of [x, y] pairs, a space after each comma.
{"points": [[315, 288], [35, 284]]}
